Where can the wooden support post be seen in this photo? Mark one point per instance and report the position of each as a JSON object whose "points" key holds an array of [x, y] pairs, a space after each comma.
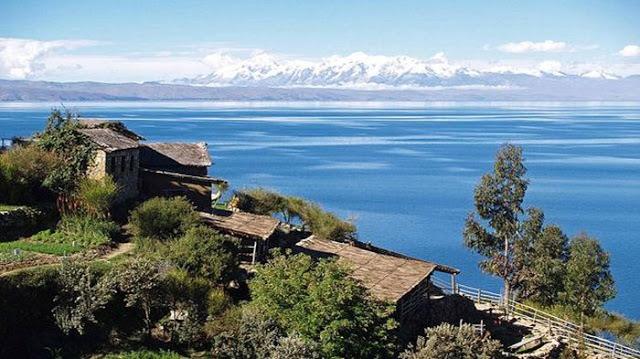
{"points": [[255, 250], [454, 285], [479, 295]]}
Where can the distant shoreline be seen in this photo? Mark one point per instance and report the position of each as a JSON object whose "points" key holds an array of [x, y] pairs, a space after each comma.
{"points": [[567, 89]]}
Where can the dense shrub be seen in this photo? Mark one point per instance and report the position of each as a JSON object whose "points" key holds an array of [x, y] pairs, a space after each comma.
{"points": [[323, 304], [163, 218], [204, 252], [295, 209], [97, 195], [256, 336], [23, 171], [448, 341], [81, 295], [141, 282], [144, 354]]}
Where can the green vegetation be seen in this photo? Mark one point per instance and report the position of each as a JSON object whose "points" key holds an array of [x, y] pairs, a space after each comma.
{"points": [[61, 137], [447, 341], [23, 174], [163, 218], [588, 282], [144, 354], [535, 260], [205, 253], [81, 295], [321, 303], [295, 209], [97, 195], [74, 234], [8, 207]]}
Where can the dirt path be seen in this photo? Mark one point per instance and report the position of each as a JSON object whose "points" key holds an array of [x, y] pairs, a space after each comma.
{"points": [[48, 260]]}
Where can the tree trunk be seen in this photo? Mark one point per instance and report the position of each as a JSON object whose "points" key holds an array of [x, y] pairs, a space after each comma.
{"points": [[507, 287]]}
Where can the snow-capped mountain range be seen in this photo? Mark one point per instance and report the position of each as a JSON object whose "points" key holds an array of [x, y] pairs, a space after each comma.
{"points": [[362, 71]]}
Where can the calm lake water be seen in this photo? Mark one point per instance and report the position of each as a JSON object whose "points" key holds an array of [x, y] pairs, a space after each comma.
{"points": [[406, 172]]}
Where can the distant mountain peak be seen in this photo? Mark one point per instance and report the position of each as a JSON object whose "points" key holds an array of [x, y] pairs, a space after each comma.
{"points": [[360, 70]]}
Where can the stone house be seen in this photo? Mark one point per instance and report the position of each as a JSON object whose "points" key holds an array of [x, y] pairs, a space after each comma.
{"points": [[116, 155], [149, 170]]}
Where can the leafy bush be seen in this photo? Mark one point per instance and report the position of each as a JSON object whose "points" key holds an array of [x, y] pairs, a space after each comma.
{"points": [[320, 222], [144, 354], [97, 195], [163, 218], [23, 171], [257, 336], [204, 252], [141, 284], [448, 341], [81, 294], [323, 304], [77, 151]]}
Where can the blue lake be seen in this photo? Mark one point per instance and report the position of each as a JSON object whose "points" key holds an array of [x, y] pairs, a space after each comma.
{"points": [[406, 172]]}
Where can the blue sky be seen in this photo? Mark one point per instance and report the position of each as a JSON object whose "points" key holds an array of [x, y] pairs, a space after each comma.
{"points": [[184, 31]]}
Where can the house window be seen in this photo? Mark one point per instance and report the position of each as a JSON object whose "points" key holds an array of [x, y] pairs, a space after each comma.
{"points": [[131, 163], [113, 165], [122, 163]]}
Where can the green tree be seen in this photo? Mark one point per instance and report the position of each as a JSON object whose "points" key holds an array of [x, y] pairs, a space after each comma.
{"points": [[588, 282], [61, 136], [498, 201], [450, 342], [323, 304], [163, 218], [81, 295], [544, 279], [141, 283], [206, 253]]}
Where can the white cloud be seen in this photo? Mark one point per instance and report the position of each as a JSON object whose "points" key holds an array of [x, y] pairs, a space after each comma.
{"points": [[529, 46], [630, 51], [24, 58]]}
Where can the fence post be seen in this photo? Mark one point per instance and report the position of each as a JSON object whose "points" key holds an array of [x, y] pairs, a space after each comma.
{"points": [[479, 295]]}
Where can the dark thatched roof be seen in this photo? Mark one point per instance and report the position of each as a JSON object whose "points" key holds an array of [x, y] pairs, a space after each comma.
{"points": [[155, 155], [109, 140], [386, 277], [118, 126], [241, 224]]}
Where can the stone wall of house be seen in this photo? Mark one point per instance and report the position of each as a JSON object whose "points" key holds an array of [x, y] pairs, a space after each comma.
{"points": [[124, 168], [98, 167]]}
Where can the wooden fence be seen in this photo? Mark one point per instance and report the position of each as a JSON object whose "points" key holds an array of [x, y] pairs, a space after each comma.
{"points": [[558, 327]]}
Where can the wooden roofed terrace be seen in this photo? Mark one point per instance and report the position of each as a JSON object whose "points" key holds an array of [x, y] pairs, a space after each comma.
{"points": [[387, 277]]}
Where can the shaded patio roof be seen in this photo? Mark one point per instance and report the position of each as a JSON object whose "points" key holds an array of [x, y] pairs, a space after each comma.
{"points": [[241, 224], [387, 277]]}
